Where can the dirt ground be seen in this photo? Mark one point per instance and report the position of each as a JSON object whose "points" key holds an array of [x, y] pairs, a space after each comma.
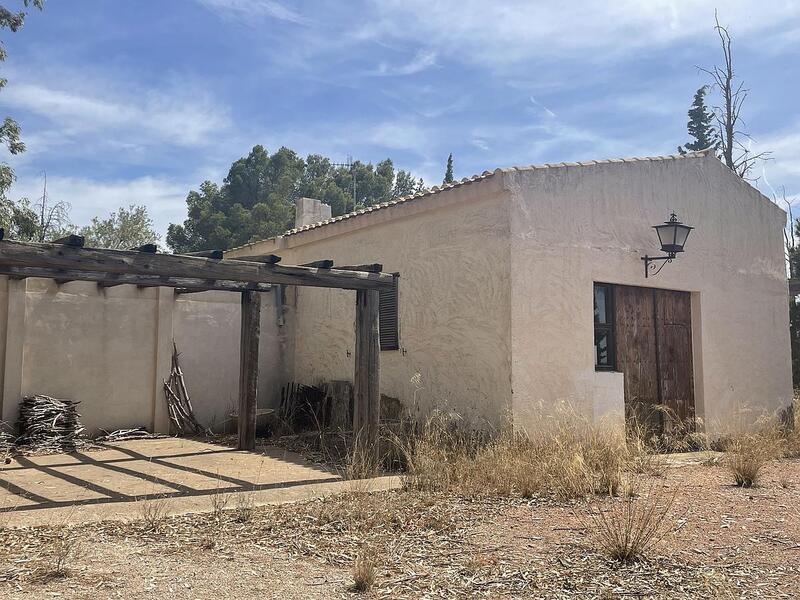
{"points": [[724, 542]]}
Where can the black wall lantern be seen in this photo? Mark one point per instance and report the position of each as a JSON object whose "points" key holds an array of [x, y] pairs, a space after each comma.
{"points": [[672, 234]]}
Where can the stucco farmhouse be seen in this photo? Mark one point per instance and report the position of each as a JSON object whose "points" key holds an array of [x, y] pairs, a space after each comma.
{"points": [[521, 289]]}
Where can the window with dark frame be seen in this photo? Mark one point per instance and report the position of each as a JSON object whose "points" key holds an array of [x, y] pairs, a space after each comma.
{"points": [[603, 327], [388, 320]]}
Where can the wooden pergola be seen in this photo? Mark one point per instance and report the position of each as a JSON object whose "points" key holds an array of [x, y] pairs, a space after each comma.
{"points": [[67, 259]]}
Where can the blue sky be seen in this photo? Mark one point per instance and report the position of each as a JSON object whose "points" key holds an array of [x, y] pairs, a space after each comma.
{"points": [[137, 102]]}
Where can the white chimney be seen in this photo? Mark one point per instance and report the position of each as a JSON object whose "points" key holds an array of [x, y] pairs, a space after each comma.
{"points": [[308, 211]]}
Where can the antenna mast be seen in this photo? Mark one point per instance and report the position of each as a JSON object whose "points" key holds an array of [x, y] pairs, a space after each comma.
{"points": [[350, 165]]}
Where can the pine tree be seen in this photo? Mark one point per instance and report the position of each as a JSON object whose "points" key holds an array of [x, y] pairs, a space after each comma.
{"points": [[699, 125], [448, 174]]}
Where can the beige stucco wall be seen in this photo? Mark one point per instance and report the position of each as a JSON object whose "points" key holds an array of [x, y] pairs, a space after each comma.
{"points": [[110, 349], [572, 226], [451, 251]]}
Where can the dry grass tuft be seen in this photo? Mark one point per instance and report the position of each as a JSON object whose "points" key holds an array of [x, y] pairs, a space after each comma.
{"points": [[747, 453], [630, 526], [362, 460], [245, 504], [152, 511], [216, 527], [57, 554], [364, 572]]}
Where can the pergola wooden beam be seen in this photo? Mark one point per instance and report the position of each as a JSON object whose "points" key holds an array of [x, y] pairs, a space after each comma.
{"points": [[177, 266], [76, 241], [369, 268], [215, 254], [320, 264], [269, 259], [148, 248]]}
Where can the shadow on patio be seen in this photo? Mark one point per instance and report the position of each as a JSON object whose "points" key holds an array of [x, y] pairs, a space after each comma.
{"points": [[125, 472]]}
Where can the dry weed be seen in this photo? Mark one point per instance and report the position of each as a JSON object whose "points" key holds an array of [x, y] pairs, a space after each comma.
{"points": [[215, 529], [363, 459], [245, 504], [364, 572], [152, 511], [57, 554], [747, 453], [628, 528]]}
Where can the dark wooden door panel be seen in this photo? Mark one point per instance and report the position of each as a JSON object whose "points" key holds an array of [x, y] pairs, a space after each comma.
{"points": [[674, 333], [653, 345], [636, 353]]}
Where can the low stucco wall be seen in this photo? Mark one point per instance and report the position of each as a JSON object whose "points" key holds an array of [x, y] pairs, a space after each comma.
{"points": [[110, 349], [574, 226]]}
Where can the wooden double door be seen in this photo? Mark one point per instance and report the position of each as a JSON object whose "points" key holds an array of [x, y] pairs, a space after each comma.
{"points": [[653, 348]]}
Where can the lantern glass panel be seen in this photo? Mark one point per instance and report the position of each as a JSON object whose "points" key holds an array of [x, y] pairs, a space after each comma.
{"points": [[666, 235], [681, 233]]}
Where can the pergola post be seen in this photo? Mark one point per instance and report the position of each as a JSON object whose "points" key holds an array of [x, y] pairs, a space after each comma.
{"points": [[248, 369], [367, 398]]}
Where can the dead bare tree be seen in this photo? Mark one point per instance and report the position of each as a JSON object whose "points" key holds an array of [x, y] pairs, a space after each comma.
{"points": [[53, 216], [735, 144], [790, 233]]}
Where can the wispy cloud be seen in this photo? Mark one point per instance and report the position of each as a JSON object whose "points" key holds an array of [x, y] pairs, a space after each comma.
{"points": [[176, 115], [398, 135], [504, 33], [249, 9], [541, 106], [423, 59]]}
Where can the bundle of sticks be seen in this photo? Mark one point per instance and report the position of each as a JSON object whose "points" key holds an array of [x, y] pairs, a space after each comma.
{"points": [[120, 435], [49, 424], [181, 413]]}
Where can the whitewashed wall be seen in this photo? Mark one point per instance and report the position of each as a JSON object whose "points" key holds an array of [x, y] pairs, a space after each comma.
{"points": [[572, 226]]}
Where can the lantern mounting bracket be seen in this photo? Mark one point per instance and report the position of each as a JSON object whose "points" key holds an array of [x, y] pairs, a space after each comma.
{"points": [[649, 263]]}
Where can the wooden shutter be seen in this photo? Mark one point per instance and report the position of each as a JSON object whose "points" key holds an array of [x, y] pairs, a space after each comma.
{"points": [[388, 319]]}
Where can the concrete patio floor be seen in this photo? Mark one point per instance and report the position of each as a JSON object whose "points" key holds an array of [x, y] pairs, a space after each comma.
{"points": [[110, 483]]}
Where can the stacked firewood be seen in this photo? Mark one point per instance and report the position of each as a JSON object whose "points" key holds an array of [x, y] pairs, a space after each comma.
{"points": [[181, 413], [49, 424]]}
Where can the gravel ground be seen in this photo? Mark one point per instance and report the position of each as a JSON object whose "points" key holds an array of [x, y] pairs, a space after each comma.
{"points": [[724, 542]]}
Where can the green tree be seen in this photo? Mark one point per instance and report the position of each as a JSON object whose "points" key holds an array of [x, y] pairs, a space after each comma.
{"points": [[448, 174], [9, 129], [405, 184], [700, 125], [124, 229], [18, 220], [257, 198]]}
